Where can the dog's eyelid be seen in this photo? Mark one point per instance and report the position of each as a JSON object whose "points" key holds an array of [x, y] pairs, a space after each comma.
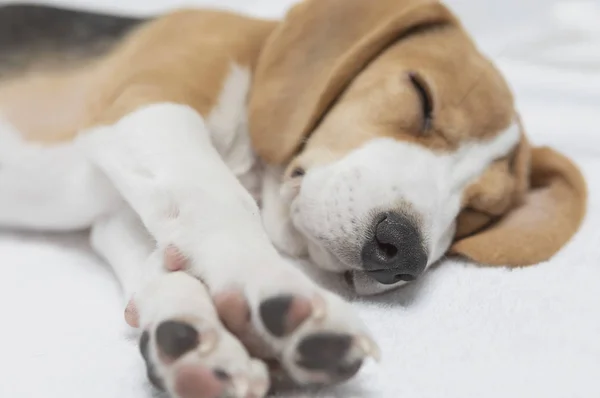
{"points": [[297, 172], [424, 92]]}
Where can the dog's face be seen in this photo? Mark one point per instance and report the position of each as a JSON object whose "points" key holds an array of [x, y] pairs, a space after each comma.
{"points": [[419, 147], [383, 178]]}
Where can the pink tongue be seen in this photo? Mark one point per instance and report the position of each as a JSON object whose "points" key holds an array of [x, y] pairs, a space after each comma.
{"points": [[197, 382]]}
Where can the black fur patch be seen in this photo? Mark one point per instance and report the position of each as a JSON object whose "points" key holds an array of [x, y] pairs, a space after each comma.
{"points": [[29, 33]]}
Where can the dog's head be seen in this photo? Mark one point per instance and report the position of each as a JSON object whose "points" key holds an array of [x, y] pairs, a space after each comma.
{"points": [[399, 142]]}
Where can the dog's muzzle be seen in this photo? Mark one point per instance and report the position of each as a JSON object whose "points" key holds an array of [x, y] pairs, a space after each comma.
{"points": [[395, 251]]}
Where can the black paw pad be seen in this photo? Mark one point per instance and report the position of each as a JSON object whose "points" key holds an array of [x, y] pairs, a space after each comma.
{"points": [[324, 352], [176, 338], [274, 314], [154, 379], [221, 375]]}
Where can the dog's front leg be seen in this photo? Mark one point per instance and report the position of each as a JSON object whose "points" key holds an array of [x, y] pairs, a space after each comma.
{"points": [[186, 348], [160, 157]]}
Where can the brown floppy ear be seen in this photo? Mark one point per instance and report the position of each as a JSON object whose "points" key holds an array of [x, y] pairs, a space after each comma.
{"points": [[549, 212], [314, 54]]}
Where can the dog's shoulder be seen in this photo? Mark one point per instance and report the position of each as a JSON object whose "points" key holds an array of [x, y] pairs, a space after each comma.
{"points": [[194, 50], [204, 33]]}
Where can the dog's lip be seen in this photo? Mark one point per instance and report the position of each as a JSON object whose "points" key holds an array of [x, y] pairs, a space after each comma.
{"points": [[349, 278], [377, 275]]}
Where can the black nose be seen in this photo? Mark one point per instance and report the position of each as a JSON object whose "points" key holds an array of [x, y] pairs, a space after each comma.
{"points": [[395, 252]]}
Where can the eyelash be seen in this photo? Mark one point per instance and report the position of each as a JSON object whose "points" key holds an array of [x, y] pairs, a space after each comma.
{"points": [[298, 172], [425, 97]]}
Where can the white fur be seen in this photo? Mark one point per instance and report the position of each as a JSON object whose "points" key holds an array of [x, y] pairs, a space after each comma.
{"points": [[337, 201], [57, 187], [228, 126], [53, 187], [123, 242], [162, 161], [164, 176], [161, 296]]}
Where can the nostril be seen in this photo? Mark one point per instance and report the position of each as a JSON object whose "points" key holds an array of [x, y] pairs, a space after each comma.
{"points": [[388, 250], [395, 251]]}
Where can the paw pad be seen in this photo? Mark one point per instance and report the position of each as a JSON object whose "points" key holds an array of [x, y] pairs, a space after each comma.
{"points": [[198, 381], [323, 351], [174, 260], [331, 354], [282, 315], [131, 314], [176, 338]]}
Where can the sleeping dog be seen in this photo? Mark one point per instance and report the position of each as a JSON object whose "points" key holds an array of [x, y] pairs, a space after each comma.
{"points": [[204, 149]]}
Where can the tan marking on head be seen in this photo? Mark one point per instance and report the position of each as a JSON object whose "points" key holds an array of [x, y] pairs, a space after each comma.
{"points": [[346, 84], [470, 100], [352, 79]]}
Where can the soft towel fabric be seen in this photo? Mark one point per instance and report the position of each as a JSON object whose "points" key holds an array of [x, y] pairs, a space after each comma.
{"points": [[462, 331]]}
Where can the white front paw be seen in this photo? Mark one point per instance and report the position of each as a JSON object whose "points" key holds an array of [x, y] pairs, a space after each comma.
{"points": [[314, 335]]}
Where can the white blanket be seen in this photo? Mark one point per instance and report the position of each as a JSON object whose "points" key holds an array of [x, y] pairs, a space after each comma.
{"points": [[462, 331]]}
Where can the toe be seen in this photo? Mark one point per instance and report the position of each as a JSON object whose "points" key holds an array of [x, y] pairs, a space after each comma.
{"points": [[323, 351], [198, 382], [233, 311], [174, 260], [331, 354], [175, 338], [282, 315]]}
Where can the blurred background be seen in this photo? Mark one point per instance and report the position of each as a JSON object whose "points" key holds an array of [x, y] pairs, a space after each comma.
{"points": [[561, 32]]}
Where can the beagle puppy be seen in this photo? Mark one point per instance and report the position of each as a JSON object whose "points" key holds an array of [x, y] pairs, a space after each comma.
{"points": [[204, 148]]}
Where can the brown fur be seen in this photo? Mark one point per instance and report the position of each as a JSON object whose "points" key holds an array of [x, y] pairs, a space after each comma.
{"points": [[549, 216], [350, 84], [331, 76], [183, 57]]}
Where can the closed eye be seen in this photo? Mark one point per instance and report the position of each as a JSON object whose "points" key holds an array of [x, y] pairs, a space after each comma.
{"points": [[425, 97]]}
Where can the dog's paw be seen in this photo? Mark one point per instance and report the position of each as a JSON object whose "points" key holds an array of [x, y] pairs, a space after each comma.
{"points": [[191, 359], [187, 351], [313, 334]]}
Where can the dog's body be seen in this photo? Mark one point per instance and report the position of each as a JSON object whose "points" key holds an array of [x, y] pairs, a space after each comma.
{"points": [[374, 147]]}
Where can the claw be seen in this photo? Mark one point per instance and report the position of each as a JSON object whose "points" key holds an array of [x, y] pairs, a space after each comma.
{"points": [[259, 381], [208, 342], [240, 385], [368, 346], [319, 308]]}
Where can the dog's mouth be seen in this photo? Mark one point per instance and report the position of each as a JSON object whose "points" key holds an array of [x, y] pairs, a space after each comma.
{"points": [[363, 285], [349, 279]]}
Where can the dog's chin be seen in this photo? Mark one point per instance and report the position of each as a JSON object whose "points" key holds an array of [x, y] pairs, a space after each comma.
{"points": [[364, 285], [359, 282]]}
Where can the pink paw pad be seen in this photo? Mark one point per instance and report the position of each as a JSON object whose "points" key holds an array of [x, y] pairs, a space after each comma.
{"points": [[235, 314], [174, 259], [198, 382], [131, 314]]}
